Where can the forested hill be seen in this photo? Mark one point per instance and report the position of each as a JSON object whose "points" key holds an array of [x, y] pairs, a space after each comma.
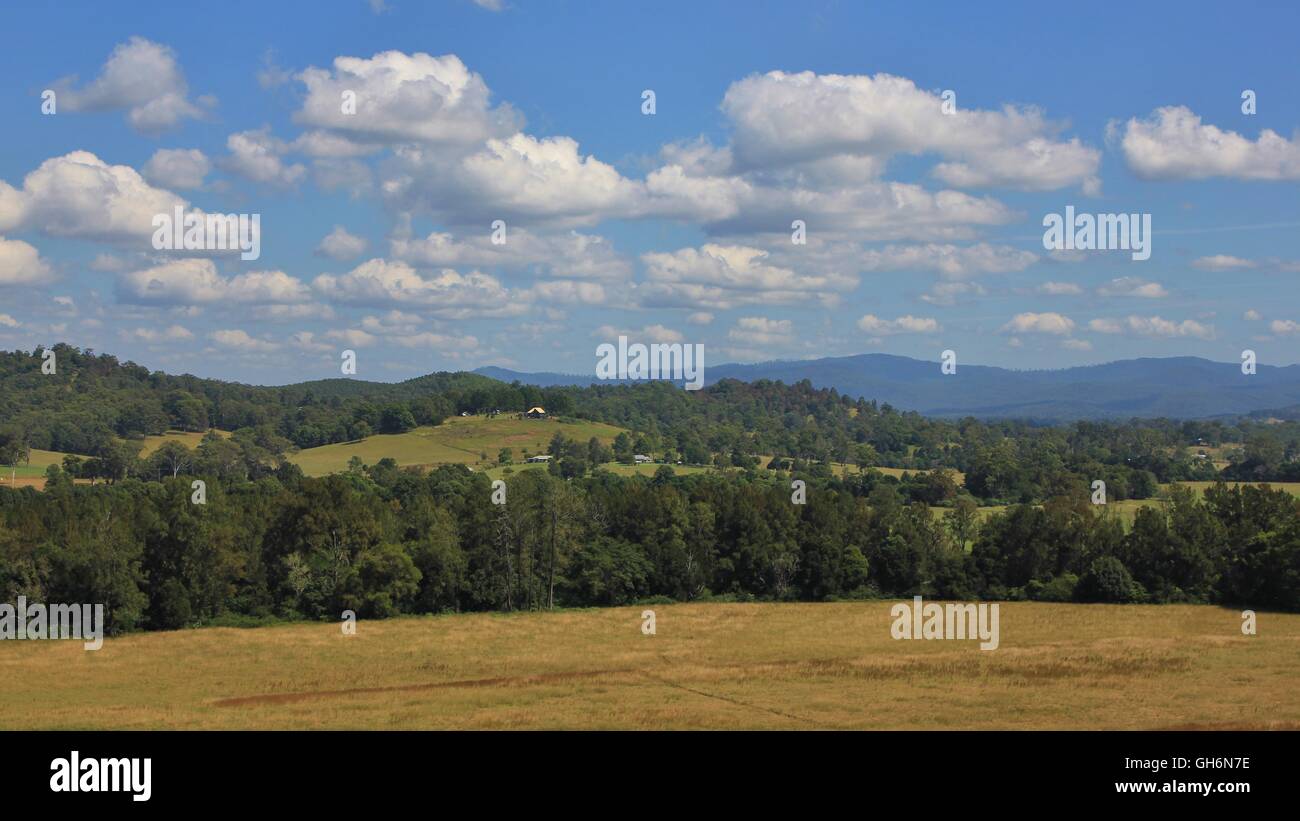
{"points": [[95, 403], [1183, 387]]}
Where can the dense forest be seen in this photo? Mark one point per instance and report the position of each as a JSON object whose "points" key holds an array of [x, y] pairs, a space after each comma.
{"points": [[384, 541], [268, 542]]}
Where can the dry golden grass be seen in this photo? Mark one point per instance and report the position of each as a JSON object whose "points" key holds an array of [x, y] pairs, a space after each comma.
{"points": [[790, 666]]}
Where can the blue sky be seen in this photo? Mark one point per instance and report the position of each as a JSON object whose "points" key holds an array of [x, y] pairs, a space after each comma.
{"points": [[924, 228]]}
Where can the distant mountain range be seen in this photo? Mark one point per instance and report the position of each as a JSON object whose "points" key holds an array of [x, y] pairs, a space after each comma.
{"points": [[1183, 387]]}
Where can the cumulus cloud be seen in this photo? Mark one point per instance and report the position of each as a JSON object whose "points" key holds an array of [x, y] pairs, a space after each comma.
{"points": [[1284, 327], [383, 283], [178, 168], [571, 254], [405, 97], [141, 77], [238, 340], [1174, 144], [516, 178], [761, 331], [1044, 323], [1221, 262], [782, 119], [341, 245], [646, 335], [173, 333], [721, 276], [876, 326], [197, 282], [949, 261], [950, 293], [20, 263], [1152, 326], [257, 156], [80, 195], [1132, 287]]}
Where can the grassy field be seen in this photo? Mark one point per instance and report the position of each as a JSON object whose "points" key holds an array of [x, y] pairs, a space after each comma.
{"points": [[459, 439], [189, 439], [787, 666], [31, 474]]}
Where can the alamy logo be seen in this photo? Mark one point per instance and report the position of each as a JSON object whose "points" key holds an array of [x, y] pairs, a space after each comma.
{"points": [[75, 774], [209, 232], [656, 361], [951, 621], [56, 621], [1100, 232]]}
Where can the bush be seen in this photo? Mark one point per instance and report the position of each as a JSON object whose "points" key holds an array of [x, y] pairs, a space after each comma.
{"points": [[1106, 580], [1059, 589]]}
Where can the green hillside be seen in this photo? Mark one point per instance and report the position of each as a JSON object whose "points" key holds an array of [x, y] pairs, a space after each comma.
{"points": [[458, 440]]}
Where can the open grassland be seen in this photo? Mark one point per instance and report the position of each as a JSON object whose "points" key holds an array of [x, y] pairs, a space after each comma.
{"points": [[787, 666], [1199, 487], [189, 439], [458, 440], [31, 473]]}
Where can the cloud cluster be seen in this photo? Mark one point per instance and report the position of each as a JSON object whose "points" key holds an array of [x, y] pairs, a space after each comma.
{"points": [[1174, 144], [141, 77]]}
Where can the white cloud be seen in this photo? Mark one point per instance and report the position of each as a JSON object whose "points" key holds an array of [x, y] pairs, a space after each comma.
{"points": [[353, 337], [256, 155], [1060, 289], [649, 334], [721, 276], [9, 322], [405, 97], [1044, 323], [783, 119], [197, 282], [1252, 315], [1284, 327], [875, 326], [178, 168], [437, 341], [1132, 287], [20, 263], [949, 261], [383, 283], [173, 333], [239, 340], [571, 254], [1221, 262], [1173, 144], [700, 318], [566, 291], [761, 331], [80, 195], [141, 77], [1077, 344], [341, 245], [1152, 326]]}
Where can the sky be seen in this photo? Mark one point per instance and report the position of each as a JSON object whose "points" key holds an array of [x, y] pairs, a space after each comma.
{"points": [[448, 185]]}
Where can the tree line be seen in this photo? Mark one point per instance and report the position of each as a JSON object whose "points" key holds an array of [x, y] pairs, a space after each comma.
{"points": [[383, 540]]}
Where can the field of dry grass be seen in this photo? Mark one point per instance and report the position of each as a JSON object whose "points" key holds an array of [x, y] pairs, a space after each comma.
{"points": [[787, 666]]}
